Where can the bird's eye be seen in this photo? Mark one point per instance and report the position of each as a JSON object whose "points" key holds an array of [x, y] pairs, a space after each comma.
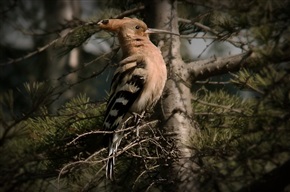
{"points": [[105, 21], [137, 27]]}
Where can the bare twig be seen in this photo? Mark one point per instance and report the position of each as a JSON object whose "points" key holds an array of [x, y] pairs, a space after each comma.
{"points": [[141, 174], [92, 181], [38, 50], [246, 84], [229, 107], [110, 132], [149, 187], [86, 161], [194, 36], [89, 63], [213, 82], [89, 161], [129, 12], [208, 29], [41, 49]]}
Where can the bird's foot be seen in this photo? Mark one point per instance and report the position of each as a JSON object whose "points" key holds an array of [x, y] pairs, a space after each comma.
{"points": [[137, 120]]}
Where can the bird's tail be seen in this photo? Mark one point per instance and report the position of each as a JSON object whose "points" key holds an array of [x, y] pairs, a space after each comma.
{"points": [[110, 168], [113, 147]]}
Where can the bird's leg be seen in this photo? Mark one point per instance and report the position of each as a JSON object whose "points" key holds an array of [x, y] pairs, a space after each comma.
{"points": [[137, 120]]}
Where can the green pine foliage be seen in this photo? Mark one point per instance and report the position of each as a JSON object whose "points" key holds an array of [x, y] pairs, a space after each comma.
{"points": [[43, 145], [244, 136], [240, 138], [66, 150], [74, 118]]}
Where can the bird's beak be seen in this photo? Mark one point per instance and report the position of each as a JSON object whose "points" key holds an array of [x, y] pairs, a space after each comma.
{"points": [[160, 31]]}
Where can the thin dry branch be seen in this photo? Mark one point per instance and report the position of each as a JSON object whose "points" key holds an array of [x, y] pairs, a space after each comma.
{"points": [[93, 181], [86, 161], [97, 158], [205, 28], [55, 41], [110, 132], [226, 107], [129, 12], [208, 82], [93, 162], [142, 173], [38, 50]]}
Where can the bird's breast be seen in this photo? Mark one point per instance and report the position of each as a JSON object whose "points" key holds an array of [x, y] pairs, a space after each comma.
{"points": [[155, 81]]}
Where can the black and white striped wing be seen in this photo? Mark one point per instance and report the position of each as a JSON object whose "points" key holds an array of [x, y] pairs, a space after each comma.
{"points": [[126, 87]]}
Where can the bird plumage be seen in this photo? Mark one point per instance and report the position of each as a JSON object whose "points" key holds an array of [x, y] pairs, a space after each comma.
{"points": [[138, 81]]}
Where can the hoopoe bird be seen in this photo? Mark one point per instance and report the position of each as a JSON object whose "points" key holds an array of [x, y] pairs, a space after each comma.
{"points": [[138, 81]]}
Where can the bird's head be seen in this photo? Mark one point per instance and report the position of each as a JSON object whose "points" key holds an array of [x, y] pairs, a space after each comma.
{"points": [[126, 26], [129, 27]]}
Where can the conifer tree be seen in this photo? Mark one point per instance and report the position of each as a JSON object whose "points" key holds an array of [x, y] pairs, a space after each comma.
{"points": [[221, 125]]}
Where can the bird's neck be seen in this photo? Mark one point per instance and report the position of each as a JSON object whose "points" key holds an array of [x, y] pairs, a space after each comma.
{"points": [[131, 45]]}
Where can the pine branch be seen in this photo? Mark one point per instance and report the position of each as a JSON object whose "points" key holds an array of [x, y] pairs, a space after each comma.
{"points": [[218, 65], [70, 33], [132, 128], [214, 32], [129, 12], [228, 107], [31, 54]]}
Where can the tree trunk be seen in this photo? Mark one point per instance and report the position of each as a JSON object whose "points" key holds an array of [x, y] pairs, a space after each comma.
{"points": [[176, 105]]}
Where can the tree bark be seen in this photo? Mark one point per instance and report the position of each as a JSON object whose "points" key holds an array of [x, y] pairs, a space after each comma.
{"points": [[176, 102], [218, 65]]}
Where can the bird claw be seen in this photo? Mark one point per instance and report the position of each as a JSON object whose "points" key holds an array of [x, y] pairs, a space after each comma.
{"points": [[137, 120]]}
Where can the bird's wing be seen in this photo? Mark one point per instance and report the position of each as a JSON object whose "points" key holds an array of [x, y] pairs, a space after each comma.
{"points": [[126, 87]]}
